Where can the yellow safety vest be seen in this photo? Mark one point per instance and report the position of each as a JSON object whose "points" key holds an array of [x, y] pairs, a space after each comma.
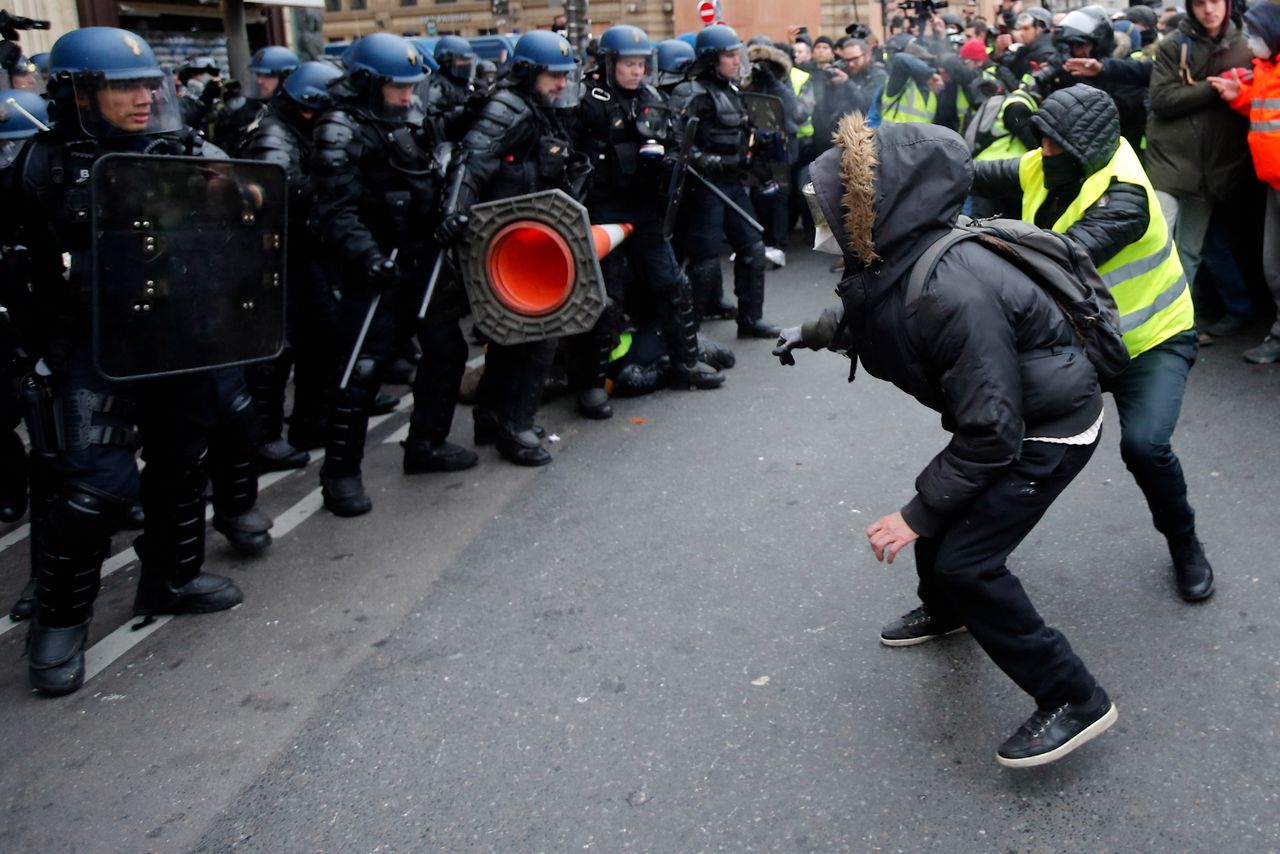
{"points": [[911, 105], [1145, 277], [799, 77], [1006, 145], [964, 110]]}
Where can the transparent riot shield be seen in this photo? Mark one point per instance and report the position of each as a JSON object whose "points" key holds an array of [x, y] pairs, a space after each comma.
{"points": [[188, 264], [767, 119]]}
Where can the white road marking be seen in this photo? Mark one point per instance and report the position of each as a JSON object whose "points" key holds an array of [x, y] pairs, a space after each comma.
{"points": [[106, 651]]}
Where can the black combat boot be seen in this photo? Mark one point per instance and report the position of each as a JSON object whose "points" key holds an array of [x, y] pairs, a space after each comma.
{"points": [[43, 496], [235, 497], [71, 548], [435, 396], [636, 379], [681, 335], [1191, 570], [384, 403], [267, 382], [488, 424], [748, 280], [715, 354], [590, 354], [340, 480], [171, 550]]}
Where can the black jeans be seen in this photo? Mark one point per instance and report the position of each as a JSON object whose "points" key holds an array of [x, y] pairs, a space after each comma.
{"points": [[963, 575]]}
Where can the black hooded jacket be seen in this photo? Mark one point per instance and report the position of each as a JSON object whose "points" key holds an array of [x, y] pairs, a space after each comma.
{"points": [[1084, 122], [984, 345]]}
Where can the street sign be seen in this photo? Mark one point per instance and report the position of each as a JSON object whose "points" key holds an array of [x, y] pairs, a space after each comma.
{"points": [[708, 11]]}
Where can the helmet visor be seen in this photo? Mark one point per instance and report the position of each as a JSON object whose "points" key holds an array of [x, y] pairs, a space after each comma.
{"points": [[141, 102], [263, 87], [560, 89], [462, 68]]}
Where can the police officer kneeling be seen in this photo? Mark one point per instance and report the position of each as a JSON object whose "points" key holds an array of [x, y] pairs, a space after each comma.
{"points": [[992, 352]]}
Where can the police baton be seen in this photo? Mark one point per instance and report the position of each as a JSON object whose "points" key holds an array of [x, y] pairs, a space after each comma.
{"points": [[728, 202], [450, 202], [364, 333], [21, 109]]}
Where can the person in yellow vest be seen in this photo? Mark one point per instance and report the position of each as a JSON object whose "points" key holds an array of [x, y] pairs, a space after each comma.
{"points": [[911, 92], [1086, 181]]}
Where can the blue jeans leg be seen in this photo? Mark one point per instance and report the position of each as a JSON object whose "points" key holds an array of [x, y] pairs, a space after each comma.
{"points": [[1148, 398]]}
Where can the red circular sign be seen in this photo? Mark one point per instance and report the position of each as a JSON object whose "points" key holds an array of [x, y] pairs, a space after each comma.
{"points": [[707, 11]]}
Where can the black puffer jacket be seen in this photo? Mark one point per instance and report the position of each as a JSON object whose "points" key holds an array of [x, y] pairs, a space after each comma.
{"points": [[1084, 122], [1196, 144], [977, 346]]}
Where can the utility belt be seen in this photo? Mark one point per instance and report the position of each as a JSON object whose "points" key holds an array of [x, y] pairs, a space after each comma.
{"points": [[66, 422]]}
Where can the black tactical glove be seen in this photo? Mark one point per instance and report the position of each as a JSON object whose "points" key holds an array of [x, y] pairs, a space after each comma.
{"points": [[382, 273], [789, 339], [452, 228], [709, 165]]}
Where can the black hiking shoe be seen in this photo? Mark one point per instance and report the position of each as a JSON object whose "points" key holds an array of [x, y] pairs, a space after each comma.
{"points": [[918, 626], [1050, 734]]}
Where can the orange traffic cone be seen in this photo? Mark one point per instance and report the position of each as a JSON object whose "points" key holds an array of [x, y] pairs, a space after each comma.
{"points": [[531, 267]]}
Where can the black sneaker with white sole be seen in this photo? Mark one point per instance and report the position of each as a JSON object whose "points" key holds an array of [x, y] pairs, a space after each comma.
{"points": [[1050, 734], [918, 626]]}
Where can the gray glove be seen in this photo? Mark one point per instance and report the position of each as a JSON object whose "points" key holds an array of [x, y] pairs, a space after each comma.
{"points": [[789, 339]]}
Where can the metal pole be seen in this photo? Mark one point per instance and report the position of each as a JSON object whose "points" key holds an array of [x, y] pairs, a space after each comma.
{"points": [[237, 39], [364, 333], [575, 13]]}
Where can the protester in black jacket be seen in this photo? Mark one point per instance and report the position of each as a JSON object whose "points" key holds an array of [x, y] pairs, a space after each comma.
{"points": [[992, 352]]}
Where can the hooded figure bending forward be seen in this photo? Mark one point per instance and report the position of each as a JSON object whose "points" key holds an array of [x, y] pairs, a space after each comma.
{"points": [[987, 348]]}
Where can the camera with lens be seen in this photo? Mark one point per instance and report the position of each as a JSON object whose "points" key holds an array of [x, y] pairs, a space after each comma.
{"points": [[858, 31], [923, 9]]}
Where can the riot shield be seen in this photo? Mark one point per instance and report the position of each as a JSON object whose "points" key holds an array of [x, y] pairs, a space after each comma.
{"points": [[188, 264], [767, 118]]}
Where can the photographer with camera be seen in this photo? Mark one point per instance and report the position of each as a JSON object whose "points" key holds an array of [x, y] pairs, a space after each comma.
{"points": [[911, 92]]}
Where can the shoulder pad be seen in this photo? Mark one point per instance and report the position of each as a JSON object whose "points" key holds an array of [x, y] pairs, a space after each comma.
{"points": [[503, 110], [335, 129]]}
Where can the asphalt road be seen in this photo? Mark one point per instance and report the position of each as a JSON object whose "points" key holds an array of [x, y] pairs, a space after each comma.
{"points": [[667, 641]]}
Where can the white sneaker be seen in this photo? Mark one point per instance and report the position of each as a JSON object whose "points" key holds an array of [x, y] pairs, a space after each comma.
{"points": [[776, 257]]}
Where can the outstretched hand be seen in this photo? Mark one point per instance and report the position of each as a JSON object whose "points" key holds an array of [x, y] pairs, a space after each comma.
{"points": [[890, 535], [788, 340]]}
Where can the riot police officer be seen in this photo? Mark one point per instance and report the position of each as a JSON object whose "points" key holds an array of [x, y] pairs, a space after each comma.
{"points": [[377, 202], [720, 155], [283, 135], [518, 145], [450, 90], [624, 127], [109, 94], [674, 58], [269, 67]]}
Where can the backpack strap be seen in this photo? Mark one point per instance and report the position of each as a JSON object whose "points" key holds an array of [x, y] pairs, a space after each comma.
{"points": [[928, 260]]}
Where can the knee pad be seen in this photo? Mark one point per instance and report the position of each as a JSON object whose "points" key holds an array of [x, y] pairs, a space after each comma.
{"points": [[365, 372], [752, 257]]}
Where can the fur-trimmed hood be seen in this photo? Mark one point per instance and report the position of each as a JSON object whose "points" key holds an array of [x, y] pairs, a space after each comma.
{"points": [[769, 53], [887, 193]]}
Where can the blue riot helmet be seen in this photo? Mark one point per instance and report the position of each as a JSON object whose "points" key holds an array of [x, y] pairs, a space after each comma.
{"points": [[390, 71], [544, 51], [308, 86], [715, 42], [456, 59], [269, 66], [627, 42], [14, 123], [691, 39], [674, 58], [19, 72], [111, 80]]}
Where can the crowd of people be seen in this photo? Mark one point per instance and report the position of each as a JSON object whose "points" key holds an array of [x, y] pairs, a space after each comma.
{"points": [[1128, 135], [1184, 83]]}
